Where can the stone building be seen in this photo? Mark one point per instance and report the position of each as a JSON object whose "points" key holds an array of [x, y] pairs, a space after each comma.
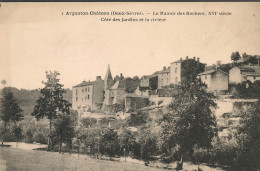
{"points": [[88, 95], [149, 82], [216, 80], [187, 68], [116, 91], [164, 77], [238, 74]]}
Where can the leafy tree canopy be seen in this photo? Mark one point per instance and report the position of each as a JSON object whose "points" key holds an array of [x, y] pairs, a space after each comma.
{"points": [[190, 120], [52, 99], [10, 110], [235, 56]]}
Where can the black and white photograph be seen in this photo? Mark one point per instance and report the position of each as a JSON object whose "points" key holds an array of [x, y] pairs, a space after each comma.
{"points": [[130, 86]]}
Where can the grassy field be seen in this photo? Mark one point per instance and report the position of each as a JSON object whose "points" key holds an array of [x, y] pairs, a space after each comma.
{"points": [[19, 159]]}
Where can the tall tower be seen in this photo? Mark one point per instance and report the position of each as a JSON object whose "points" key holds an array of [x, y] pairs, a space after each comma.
{"points": [[108, 81]]}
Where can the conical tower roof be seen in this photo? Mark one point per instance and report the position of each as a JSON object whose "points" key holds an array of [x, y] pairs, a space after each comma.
{"points": [[108, 81], [108, 74]]}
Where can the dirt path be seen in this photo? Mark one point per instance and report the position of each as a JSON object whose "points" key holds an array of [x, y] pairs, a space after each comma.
{"points": [[25, 146]]}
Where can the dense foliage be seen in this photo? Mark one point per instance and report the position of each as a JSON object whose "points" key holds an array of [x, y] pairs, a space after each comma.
{"points": [[190, 120], [10, 111], [51, 102]]}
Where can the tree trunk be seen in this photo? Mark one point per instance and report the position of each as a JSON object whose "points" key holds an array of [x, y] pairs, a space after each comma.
{"points": [[60, 144], [78, 148], [49, 139], [4, 134], [180, 163]]}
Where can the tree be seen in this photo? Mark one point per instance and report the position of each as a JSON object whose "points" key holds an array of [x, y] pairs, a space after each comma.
{"points": [[249, 139], [51, 102], [147, 143], [17, 131], [64, 130], [136, 78], [235, 56], [127, 142], [109, 143], [190, 120], [10, 110]]}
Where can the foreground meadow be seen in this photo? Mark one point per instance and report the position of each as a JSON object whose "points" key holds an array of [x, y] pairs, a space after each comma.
{"points": [[19, 159]]}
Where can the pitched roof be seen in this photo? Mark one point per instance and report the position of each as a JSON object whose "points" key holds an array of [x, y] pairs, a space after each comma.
{"points": [[253, 70], [178, 61], [209, 72], [164, 71], [84, 83], [118, 85], [150, 76]]}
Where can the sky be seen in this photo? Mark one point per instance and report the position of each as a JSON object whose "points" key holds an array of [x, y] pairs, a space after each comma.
{"points": [[36, 37]]}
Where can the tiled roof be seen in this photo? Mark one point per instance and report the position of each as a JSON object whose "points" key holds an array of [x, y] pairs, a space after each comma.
{"points": [[178, 61], [253, 70], [164, 71], [84, 83], [209, 72], [118, 85]]}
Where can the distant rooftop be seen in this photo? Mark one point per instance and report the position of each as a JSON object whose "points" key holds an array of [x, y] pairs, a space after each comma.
{"points": [[84, 83], [253, 70], [187, 58], [209, 72]]}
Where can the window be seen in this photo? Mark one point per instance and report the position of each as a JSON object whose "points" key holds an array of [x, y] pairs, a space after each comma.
{"points": [[88, 89], [88, 96], [76, 91], [76, 99], [176, 79], [82, 90], [176, 69]]}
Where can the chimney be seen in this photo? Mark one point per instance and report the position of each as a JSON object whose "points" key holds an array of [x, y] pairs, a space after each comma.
{"points": [[121, 75], [98, 78], [164, 68], [187, 57], [218, 64], [181, 59], [198, 59], [194, 58]]}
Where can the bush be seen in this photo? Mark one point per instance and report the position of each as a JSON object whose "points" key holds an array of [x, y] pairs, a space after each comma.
{"points": [[41, 137], [160, 102], [139, 118], [88, 122], [223, 153], [110, 143]]}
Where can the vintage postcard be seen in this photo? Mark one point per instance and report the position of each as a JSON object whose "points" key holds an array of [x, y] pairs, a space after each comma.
{"points": [[130, 85]]}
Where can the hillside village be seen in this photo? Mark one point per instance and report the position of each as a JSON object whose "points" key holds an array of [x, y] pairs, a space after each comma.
{"points": [[130, 112], [132, 94]]}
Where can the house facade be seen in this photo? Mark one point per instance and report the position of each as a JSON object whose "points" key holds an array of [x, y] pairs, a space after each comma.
{"points": [[181, 69], [216, 80], [164, 77], [88, 95], [238, 74]]}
